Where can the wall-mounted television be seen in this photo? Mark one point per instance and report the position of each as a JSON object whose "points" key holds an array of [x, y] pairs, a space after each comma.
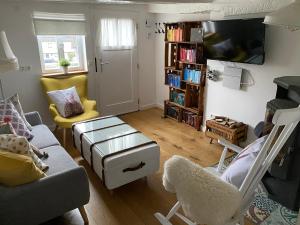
{"points": [[235, 40]]}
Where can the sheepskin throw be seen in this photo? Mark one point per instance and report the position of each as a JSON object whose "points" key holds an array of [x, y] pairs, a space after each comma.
{"points": [[204, 197]]}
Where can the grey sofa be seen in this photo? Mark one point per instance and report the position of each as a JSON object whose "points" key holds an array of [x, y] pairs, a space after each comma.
{"points": [[65, 188]]}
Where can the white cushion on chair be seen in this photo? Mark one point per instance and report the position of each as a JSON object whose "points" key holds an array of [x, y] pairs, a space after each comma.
{"points": [[237, 171], [204, 197]]}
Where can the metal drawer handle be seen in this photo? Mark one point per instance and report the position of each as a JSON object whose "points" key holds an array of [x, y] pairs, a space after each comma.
{"points": [[140, 166]]}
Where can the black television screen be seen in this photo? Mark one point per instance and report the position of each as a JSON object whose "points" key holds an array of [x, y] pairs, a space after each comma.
{"points": [[235, 40]]}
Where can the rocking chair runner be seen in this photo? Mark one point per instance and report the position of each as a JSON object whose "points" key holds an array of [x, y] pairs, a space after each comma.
{"points": [[288, 119]]}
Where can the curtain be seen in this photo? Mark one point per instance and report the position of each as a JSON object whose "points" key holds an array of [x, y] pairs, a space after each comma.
{"points": [[58, 24], [117, 34]]}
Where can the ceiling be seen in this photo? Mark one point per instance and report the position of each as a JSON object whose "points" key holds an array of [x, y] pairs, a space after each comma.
{"points": [[226, 7]]}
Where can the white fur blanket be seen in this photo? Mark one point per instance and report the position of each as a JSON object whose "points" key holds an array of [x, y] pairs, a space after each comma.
{"points": [[204, 197]]}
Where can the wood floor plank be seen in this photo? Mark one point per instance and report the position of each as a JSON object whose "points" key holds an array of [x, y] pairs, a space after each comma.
{"points": [[135, 203]]}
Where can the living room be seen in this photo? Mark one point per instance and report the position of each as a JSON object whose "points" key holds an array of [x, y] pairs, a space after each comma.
{"points": [[129, 82]]}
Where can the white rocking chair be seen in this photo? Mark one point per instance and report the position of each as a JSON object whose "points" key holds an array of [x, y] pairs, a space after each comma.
{"points": [[288, 119]]}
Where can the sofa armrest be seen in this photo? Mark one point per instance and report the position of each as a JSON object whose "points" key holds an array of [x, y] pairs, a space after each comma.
{"points": [[33, 118], [44, 199]]}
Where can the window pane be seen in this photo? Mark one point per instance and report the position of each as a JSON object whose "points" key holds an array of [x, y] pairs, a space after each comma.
{"points": [[50, 52], [117, 33], [56, 47], [71, 51]]}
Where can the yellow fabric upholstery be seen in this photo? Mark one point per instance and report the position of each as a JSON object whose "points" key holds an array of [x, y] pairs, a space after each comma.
{"points": [[80, 82], [16, 169]]}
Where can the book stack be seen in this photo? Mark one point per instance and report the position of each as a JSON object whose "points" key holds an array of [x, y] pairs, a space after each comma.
{"points": [[188, 55], [174, 34], [190, 118], [174, 80], [193, 76]]}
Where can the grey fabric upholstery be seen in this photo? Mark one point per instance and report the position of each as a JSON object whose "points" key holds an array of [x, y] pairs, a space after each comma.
{"points": [[65, 188], [43, 137], [33, 118]]}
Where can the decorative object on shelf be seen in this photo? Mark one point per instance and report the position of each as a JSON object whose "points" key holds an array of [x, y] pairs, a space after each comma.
{"points": [[8, 61], [185, 72], [196, 35], [64, 63], [288, 17], [223, 127]]}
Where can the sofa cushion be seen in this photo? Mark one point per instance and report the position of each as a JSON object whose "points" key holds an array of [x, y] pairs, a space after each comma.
{"points": [[43, 137], [16, 169], [59, 160]]}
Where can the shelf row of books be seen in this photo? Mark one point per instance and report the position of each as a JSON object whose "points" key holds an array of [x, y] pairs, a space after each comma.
{"points": [[190, 118], [188, 55], [177, 98], [173, 112], [174, 34], [174, 80], [193, 76]]}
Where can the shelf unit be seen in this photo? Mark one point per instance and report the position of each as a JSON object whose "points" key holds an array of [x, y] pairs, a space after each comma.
{"points": [[185, 103]]}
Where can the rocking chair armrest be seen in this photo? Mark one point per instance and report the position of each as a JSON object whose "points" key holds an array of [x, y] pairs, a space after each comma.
{"points": [[229, 145]]}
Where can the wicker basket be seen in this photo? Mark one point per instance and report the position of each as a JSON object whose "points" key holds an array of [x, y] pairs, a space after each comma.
{"points": [[214, 130]]}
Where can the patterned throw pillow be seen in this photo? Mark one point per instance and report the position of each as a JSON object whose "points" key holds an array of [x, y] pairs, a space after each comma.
{"points": [[66, 101], [6, 128], [8, 113], [20, 145], [16, 102]]}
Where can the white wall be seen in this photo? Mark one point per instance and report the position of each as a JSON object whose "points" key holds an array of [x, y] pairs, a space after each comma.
{"points": [[248, 104], [15, 19]]}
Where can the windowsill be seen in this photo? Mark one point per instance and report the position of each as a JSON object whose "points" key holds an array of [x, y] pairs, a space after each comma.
{"points": [[71, 73]]}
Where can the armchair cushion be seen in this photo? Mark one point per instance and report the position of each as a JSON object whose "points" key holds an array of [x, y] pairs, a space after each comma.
{"points": [[89, 113], [66, 101]]}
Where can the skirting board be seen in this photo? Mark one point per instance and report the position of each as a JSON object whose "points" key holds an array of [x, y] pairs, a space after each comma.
{"points": [[147, 106]]}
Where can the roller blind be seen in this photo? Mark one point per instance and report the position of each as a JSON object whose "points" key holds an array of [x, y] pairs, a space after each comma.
{"points": [[58, 24]]}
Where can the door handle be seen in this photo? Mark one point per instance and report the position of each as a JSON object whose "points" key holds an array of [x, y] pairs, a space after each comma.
{"points": [[103, 63]]}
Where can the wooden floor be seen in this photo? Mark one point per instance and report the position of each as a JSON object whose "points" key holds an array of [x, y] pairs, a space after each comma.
{"points": [[135, 203]]}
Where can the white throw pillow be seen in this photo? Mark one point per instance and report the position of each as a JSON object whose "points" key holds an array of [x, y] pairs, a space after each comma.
{"points": [[19, 145], [238, 169], [66, 101]]}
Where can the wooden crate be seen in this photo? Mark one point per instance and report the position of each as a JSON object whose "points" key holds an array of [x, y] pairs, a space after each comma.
{"points": [[214, 130]]}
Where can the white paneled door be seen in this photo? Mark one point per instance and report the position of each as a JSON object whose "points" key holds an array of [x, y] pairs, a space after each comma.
{"points": [[116, 60]]}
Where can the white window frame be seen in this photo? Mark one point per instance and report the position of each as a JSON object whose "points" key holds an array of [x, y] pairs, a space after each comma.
{"points": [[80, 42]]}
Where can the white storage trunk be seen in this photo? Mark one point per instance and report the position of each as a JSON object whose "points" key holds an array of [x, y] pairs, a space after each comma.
{"points": [[118, 153]]}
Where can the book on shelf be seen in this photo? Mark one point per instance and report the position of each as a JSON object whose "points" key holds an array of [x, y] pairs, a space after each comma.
{"points": [[174, 80], [188, 55], [193, 76], [174, 34], [177, 98]]}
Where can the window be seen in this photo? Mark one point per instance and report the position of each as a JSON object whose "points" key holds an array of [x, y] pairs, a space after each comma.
{"points": [[117, 33], [55, 47]]}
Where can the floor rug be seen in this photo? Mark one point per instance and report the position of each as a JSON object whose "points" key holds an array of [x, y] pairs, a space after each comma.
{"points": [[265, 211]]}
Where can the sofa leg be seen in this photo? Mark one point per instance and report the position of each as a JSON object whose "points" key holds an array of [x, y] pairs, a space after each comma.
{"points": [[84, 215]]}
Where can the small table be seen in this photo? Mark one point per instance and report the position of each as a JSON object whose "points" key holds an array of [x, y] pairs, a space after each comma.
{"points": [[215, 130], [118, 153]]}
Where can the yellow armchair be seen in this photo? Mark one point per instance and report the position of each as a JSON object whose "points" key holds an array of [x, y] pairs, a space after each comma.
{"points": [[80, 82]]}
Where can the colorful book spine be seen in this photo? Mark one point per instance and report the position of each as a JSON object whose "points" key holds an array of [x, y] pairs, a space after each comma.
{"points": [[188, 55]]}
